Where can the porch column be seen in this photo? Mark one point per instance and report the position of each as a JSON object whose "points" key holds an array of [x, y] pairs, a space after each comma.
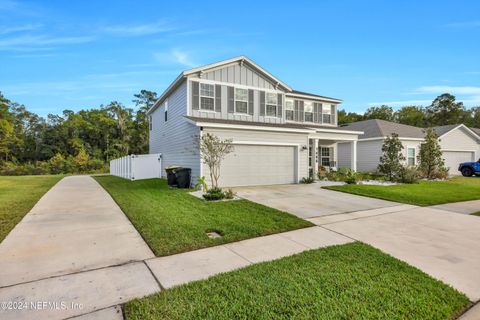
{"points": [[353, 155], [315, 158]]}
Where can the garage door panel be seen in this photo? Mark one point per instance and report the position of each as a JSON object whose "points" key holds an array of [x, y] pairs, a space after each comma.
{"points": [[258, 165], [454, 158]]}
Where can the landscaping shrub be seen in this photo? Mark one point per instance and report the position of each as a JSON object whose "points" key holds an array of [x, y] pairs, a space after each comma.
{"points": [[307, 180], [214, 194], [229, 194], [408, 174], [322, 172]]}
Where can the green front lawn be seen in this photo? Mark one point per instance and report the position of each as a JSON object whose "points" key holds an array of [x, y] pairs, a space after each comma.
{"points": [[172, 221], [352, 281], [18, 195], [476, 214], [424, 193]]}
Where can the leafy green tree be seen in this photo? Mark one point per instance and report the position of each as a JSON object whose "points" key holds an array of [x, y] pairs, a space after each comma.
{"points": [[445, 110], [475, 122], [350, 117], [392, 157], [143, 101], [383, 112], [430, 155], [411, 115]]}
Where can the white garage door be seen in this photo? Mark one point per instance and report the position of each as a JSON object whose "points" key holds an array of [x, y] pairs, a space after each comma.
{"points": [[454, 158], [258, 165]]}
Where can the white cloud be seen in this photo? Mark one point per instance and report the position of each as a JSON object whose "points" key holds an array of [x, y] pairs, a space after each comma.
{"points": [[20, 28], [464, 24], [37, 42], [138, 30], [175, 56], [401, 103], [466, 90]]}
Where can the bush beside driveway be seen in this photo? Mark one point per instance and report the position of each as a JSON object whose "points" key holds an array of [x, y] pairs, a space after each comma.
{"points": [[424, 193], [173, 221]]}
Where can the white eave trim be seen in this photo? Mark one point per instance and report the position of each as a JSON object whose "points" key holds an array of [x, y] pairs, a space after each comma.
{"points": [[309, 97], [232, 60], [338, 131], [166, 93], [461, 126], [247, 127]]}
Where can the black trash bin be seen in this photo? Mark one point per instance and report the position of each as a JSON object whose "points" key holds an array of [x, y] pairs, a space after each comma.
{"points": [[171, 178], [183, 177]]}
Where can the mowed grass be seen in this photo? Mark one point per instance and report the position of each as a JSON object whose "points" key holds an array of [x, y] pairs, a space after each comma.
{"points": [[352, 281], [476, 214], [173, 221], [18, 195], [424, 193]]}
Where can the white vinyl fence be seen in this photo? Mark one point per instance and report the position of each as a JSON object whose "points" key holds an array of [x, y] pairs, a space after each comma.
{"points": [[137, 167]]}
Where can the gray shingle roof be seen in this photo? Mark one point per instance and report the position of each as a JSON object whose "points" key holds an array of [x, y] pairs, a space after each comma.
{"points": [[380, 128], [312, 94], [476, 130], [441, 130], [266, 124]]}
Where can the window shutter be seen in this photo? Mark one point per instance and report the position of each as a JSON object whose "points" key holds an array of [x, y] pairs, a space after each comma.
{"points": [[315, 112], [218, 98], [231, 99], [250, 102], [195, 95], [300, 114], [262, 103], [279, 105], [332, 113], [320, 113], [295, 110]]}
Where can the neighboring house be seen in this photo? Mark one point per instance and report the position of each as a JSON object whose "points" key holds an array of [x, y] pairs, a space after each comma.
{"points": [[280, 135], [458, 144], [369, 145]]}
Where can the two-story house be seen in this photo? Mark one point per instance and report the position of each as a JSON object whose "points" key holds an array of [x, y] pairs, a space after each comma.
{"points": [[279, 134]]}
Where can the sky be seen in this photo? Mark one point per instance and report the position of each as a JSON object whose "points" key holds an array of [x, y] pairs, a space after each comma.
{"points": [[57, 55]]}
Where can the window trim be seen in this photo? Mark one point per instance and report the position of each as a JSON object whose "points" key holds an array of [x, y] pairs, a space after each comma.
{"points": [[321, 156], [292, 110], [150, 125], [269, 104], [165, 118], [413, 157], [200, 96], [311, 112], [235, 101]]}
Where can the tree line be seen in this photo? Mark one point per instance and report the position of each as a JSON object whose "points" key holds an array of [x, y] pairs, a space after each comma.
{"points": [[86, 140], [82, 141], [443, 110]]}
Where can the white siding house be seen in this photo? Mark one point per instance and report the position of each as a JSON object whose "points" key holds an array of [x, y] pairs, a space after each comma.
{"points": [[458, 143], [280, 135]]}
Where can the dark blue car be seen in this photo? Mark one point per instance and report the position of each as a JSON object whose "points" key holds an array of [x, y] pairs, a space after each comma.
{"points": [[469, 169]]}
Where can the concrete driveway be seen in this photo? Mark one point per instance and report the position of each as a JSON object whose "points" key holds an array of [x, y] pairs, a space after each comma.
{"points": [[309, 200], [441, 243]]}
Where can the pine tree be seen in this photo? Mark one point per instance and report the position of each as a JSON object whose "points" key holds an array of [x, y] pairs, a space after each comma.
{"points": [[391, 160], [430, 155]]}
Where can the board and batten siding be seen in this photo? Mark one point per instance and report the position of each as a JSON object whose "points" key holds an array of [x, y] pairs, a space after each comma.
{"points": [[460, 140], [174, 138], [276, 138], [237, 73], [223, 112]]}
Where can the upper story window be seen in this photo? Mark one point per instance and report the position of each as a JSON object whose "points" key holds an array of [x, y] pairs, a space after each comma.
{"points": [[166, 111], [241, 100], [326, 113], [411, 156], [150, 122], [308, 111], [271, 104], [289, 109], [207, 96]]}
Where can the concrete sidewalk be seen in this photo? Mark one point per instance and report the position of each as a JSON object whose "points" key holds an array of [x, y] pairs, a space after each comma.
{"points": [[465, 207], [76, 226], [441, 243]]}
